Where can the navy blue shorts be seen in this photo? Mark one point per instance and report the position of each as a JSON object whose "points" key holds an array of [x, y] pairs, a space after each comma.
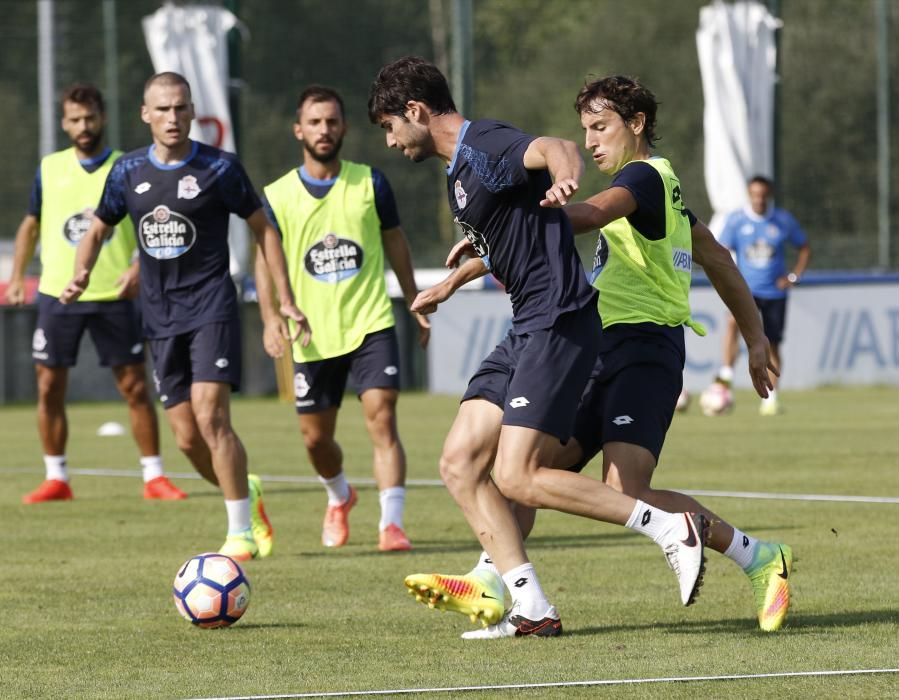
{"points": [[632, 395], [210, 353], [113, 326], [774, 318], [537, 378], [375, 364]]}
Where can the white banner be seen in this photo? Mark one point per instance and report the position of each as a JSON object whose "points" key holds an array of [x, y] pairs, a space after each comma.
{"points": [[193, 40], [835, 334], [737, 61]]}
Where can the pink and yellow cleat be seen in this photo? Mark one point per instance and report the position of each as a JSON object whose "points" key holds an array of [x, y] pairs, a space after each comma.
{"points": [[479, 595], [770, 578]]}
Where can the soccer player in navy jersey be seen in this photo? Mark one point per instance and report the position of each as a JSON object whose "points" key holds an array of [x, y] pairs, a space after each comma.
{"points": [[179, 194], [338, 221], [66, 189], [504, 188]]}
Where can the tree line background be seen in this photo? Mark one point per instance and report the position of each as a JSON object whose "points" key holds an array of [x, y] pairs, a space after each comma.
{"points": [[530, 59]]}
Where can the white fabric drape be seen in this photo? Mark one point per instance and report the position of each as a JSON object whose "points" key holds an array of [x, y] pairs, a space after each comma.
{"points": [[737, 61]]}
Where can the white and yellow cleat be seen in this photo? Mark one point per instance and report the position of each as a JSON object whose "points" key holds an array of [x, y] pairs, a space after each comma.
{"points": [[479, 595]]}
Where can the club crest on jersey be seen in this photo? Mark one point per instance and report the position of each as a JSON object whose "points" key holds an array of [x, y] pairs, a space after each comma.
{"points": [[165, 234], [333, 259], [188, 187], [461, 194], [76, 226]]}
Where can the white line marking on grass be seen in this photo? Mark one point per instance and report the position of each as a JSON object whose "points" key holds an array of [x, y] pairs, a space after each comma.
{"points": [[291, 479], [564, 684]]}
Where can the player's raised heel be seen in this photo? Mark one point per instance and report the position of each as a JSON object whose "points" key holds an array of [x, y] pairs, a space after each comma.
{"points": [[336, 527], [479, 595], [685, 551], [769, 575], [262, 529]]}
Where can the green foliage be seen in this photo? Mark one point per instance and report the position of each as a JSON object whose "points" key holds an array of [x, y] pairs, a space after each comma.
{"points": [[87, 608], [530, 58]]}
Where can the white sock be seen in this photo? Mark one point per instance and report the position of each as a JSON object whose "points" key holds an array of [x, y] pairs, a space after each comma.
{"points": [[652, 522], [56, 468], [526, 591], [485, 563], [238, 515], [726, 374], [741, 549], [151, 467], [393, 500], [337, 487], [772, 395]]}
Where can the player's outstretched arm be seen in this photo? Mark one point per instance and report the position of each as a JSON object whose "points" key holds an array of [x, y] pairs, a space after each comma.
{"points": [[85, 259], [563, 160], [275, 333], [26, 241], [427, 301], [269, 245], [731, 287], [601, 209], [396, 248]]}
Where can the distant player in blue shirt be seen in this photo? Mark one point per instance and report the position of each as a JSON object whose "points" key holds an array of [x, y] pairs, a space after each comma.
{"points": [[759, 235], [179, 195], [505, 188]]}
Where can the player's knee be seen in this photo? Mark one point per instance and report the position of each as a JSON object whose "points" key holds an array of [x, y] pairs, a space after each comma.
{"points": [[515, 486], [456, 471]]}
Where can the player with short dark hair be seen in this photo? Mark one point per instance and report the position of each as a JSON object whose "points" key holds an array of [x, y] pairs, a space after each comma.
{"points": [[504, 188], [179, 194], [759, 235], [338, 220], [66, 188]]}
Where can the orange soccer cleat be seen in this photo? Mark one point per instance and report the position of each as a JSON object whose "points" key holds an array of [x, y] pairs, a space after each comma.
{"points": [[161, 489], [393, 539], [336, 528], [49, 490]]}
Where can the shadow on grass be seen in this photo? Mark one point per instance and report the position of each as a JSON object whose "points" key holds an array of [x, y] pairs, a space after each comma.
{"points": [[268, 625], [795, 624]]}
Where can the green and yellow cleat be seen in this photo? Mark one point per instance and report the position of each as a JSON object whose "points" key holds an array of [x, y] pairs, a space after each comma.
{"points": [[241, 546], [769, 575], [479, 595], [260, 525]]}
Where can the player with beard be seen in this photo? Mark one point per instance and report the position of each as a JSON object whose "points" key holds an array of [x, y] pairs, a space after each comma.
{"points": [[180, 194], [338, 220], [66, 188]]}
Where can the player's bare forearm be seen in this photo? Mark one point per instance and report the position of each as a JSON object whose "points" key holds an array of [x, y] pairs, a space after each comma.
{"points": [[399, 255], [85, 259], [269, 244], [26, 242], [734, 292], [265, 290], [563, 161], [427, 301], [600, 209]]}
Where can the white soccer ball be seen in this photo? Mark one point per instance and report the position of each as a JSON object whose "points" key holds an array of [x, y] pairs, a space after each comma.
{"points": [[683, 401], [716, 400]]}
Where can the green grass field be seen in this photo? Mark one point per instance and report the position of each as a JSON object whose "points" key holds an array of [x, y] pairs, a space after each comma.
{"points": [[87, 609]]}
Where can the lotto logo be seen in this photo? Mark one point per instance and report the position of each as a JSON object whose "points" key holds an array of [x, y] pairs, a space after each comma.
{"points": [[623, 420], [519, 402]]}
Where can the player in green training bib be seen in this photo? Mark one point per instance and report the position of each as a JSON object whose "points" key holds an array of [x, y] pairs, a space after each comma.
{"points": [[66, 189], [338, 220]]}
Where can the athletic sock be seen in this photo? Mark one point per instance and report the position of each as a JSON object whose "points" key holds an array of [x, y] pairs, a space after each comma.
{"points": [[56, 467], [393, 500], [338, 489], [238, 515], [151, 467], [526, 591], [485, 563], [652, 522], [726, 374], [742, 549]]}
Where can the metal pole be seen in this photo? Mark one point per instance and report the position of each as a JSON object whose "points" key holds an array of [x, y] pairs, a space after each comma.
{"points": [[774, 9], [235, 82], [883, 134], [46, 71], [111, 59], [463, 73]]}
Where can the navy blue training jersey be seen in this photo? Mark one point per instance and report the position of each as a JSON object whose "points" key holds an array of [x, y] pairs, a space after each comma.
{"points": [[180, 214], [529, 248]]}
